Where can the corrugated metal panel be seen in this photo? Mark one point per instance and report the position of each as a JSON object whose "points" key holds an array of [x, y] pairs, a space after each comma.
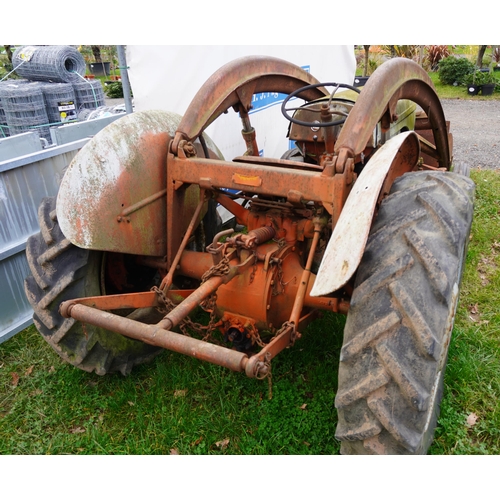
{"points": [[24, 182], [74, 131], [19, 145]]}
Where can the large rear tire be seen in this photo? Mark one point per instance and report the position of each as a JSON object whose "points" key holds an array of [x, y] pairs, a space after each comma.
{"points": [[402, 311], [62, 271]]}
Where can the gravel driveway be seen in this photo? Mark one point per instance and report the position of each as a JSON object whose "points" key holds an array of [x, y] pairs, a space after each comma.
{"points": [[475, 126]]}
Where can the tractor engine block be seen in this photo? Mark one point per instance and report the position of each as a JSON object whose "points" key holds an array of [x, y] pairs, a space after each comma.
{"points": [[272, 256]]}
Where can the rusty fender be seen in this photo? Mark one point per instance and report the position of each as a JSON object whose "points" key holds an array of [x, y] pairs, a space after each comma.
{"points": [[113, 194], [234, 85], [347, 243]]}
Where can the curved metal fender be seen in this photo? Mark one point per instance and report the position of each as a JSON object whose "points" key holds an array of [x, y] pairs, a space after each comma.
{"points": [[394, 80], [113, 194], [347, 243], [235, 83]]}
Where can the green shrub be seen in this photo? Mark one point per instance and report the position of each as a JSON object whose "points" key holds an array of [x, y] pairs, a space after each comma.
{"points": [[114, 90], [452, 70]]}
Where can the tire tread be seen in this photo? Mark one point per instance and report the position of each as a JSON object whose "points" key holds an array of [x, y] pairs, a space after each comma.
{"points": [[60, 271], [395, 338]]}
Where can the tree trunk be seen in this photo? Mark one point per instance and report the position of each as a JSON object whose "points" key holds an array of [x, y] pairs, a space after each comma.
{"points": [[482, 49], [495, 53], [8, 50], [421, 55], [367, 53], [96, 50]]}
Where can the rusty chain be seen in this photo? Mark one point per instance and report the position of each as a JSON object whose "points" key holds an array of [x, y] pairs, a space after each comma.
{"points": [[276, 291], [220, 269], [208, 305], [267, 363]]}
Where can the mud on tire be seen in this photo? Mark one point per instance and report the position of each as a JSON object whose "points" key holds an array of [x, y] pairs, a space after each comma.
{"points": [[401, 316], [62, 271]]}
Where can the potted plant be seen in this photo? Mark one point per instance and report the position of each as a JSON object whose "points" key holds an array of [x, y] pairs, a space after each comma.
{"points": [[472, 82], [488, 83], [480, 81], [93, 56]]}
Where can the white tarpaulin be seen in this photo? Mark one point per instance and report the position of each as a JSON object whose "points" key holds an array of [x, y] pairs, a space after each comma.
{"points": [[168, 77]]}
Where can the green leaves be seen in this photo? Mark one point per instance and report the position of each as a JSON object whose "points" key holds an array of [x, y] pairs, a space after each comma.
{"points": [[452, 70]]}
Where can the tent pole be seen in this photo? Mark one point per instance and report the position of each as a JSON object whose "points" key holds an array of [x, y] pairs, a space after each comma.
{"points": [[124, 74]]}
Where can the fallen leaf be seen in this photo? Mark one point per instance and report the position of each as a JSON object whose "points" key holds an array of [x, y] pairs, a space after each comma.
{"points": [[174, 451], [76, 430], [29, 370], [131, 403], [472, 419], [474, 312], [52, 369], [15, 379], [304, 406], [197, 442], [180, 393], [222, 444]]}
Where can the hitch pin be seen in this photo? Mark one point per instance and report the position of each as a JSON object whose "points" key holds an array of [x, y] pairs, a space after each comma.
{"points": [[215, 248]]}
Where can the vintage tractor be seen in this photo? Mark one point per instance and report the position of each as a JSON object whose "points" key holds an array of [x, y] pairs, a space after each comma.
{"points": [[363, 218]]}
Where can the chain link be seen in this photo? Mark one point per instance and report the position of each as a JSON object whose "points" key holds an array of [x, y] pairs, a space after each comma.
{"points": [[208, 305], [220, 269], [267, 363]]}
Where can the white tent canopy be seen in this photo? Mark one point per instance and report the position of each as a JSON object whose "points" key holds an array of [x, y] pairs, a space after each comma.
{"points": [[168, 77]]}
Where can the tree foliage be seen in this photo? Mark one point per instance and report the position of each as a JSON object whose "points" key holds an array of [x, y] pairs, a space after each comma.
{"points": [[407, 51], [434, 54]]}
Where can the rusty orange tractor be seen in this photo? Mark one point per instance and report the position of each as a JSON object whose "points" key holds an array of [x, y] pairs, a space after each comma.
{"points": [[363, 218]]}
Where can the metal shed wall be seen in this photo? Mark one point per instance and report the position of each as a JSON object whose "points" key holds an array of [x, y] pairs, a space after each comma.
{"points": [[24, 182]]}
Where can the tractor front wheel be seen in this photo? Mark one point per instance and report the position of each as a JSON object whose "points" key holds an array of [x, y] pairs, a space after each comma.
{"points": [[401, 317]]}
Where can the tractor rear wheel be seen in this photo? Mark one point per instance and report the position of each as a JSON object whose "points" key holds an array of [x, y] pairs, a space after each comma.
{"points": [[401, 316], [62, 271]]}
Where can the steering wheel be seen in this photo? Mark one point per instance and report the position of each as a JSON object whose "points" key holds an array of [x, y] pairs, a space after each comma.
{"points": [[285, 110]]}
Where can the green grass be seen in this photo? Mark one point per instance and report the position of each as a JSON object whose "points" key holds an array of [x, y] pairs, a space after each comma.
{"points": [[460, 91], [473, 373], [176, 404]]}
